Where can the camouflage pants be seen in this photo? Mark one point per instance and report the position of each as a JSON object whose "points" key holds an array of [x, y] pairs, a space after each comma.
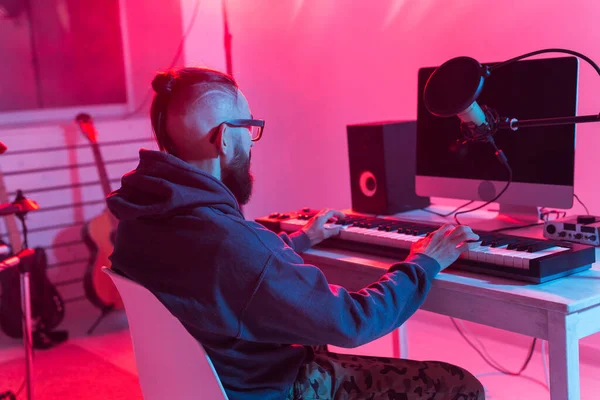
{"points": [[347, 377]]}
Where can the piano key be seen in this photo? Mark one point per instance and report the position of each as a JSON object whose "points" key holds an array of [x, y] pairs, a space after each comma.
{"points": [[481, 253], [508, 260], [502, 256], [489, 256]]}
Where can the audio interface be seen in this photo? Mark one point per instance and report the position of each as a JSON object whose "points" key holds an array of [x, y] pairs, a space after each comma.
{"points": [[584, 229]]}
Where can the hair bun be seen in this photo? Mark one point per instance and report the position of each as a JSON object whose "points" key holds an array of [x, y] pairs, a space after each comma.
{"points": [[163, 82]]}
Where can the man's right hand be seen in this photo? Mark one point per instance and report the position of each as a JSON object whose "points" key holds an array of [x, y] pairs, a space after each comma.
{"points": [[446, 244]]}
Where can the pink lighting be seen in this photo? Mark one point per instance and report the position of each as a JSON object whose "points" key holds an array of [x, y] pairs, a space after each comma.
{"points": [[309, 68]]}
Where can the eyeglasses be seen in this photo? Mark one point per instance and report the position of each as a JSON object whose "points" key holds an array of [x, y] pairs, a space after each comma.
{"points": [[255, 126]]}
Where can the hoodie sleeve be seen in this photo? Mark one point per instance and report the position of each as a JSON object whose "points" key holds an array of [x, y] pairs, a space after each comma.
{"points": [[298, 241], [294, 304]]}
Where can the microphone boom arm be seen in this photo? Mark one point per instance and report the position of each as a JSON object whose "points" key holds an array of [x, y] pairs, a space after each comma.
{"points": [[515, 124]]}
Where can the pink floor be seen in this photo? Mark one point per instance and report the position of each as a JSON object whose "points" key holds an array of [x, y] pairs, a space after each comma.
{"points": [[101, 366]]}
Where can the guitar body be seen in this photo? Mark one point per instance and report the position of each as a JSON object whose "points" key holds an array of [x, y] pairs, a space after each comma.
{"points": [[99, 288], [10, 303], [47, 306]]}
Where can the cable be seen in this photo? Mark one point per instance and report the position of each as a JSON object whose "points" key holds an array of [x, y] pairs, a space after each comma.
{"points": [[543, 216], [510, 177], [511, 228], [451, 212], [496, 373], [533, 53], [464, 327], [492, 363], [172, 64], [580, 202]]}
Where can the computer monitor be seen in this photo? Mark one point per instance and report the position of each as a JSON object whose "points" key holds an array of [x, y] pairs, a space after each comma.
{"points": [[542, 159]]}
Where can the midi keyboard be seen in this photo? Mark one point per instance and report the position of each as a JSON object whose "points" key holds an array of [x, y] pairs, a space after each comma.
{"points": [[505, 255]]}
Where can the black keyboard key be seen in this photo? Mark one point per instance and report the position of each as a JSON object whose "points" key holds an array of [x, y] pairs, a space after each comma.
{"points": [[516, 243], [527, 246], [486, 239], [538, 246], [498, 242]]}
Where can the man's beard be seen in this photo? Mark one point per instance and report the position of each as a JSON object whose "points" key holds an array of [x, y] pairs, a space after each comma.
{"points": [[237, 177]]}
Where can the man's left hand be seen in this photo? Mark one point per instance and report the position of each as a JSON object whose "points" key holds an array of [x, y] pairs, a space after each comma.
{"points": [[317, 229]]}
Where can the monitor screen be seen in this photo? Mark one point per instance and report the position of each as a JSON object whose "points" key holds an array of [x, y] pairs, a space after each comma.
{"points": [[542, 159]]}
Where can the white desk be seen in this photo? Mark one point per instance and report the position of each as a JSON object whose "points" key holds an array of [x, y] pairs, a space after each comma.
{"points": [[560, 311]]}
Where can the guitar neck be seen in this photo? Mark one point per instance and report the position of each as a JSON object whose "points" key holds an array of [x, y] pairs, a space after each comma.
{"points": [[104, 180], [86, 125]]}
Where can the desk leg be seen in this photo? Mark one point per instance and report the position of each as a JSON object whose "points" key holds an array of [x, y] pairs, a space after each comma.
{"points": [[400, 342], [564, 357]]}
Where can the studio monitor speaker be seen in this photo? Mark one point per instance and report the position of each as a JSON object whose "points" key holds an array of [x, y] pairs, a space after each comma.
{"points": [[382, 167]]}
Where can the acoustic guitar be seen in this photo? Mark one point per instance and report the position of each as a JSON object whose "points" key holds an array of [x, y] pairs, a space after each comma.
{"points": [[47, 306], [98, 233]]}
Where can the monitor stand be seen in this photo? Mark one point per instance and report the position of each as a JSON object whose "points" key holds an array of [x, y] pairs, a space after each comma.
{"points": [[509, 216]]}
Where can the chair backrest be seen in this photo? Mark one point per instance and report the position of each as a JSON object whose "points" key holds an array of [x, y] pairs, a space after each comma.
{"points": [[171, 363]]}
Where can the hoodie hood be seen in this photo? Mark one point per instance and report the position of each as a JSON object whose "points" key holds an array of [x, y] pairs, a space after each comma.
{"points": [[162, 185]]}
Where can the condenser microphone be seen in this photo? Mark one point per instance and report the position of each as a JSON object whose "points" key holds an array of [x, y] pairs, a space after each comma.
{"points": [[453, 89]]}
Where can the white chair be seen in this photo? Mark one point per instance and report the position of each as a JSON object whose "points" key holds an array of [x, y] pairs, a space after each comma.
{"points": [[171, 364]]}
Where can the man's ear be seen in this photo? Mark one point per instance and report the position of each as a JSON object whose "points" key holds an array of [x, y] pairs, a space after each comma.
{"points": [[223, 140]]}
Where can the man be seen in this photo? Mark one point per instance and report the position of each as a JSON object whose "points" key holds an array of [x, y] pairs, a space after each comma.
{"points": [[262, 315]]}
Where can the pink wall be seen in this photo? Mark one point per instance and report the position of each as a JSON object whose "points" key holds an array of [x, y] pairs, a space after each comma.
{"points": [[310, 67], [155, 29]]}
